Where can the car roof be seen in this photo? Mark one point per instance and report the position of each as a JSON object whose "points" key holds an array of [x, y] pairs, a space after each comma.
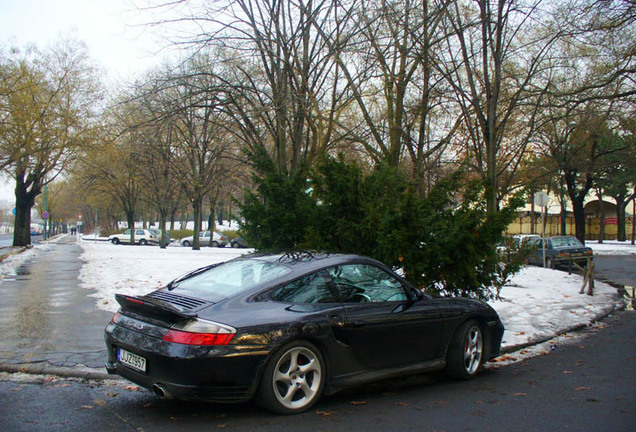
{"points": [[309, 260]]}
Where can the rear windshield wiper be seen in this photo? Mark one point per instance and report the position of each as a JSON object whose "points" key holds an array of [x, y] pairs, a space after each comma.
{"points": [[173, 284]]}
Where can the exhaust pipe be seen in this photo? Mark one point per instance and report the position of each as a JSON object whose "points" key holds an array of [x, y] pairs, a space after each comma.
{"points": [[161, 391]]}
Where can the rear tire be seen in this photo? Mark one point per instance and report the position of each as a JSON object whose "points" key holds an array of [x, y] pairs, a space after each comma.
{"points": [[293, 379], [143, 242], [215, 244], [115, 241], [466, 351], [186, 243]]}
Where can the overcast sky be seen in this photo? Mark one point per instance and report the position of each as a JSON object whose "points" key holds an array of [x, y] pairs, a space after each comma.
{"points": [[112, 30]]}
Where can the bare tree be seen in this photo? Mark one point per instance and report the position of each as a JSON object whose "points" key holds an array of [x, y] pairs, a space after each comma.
{"points": [[45, 118], [493, 60], [199, 135]]}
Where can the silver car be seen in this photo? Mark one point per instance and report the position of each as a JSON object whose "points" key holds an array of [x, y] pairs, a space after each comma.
{"points": [[142, 237], [218, 240]]}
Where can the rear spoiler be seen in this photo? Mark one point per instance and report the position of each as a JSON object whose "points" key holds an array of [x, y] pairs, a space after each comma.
{"points": [[153, 307]]}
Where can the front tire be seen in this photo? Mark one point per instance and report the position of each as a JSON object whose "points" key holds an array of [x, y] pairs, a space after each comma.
{"points": [[143, 242], [293, 379], [466, 351], [186, 244]]}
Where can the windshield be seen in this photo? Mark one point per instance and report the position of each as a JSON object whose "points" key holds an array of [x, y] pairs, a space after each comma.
{"points": [[558, 242], [232, 278]]}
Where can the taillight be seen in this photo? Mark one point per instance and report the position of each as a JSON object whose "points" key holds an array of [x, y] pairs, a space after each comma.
{"points": [[200, 332], [186, 338], [115, 318]]}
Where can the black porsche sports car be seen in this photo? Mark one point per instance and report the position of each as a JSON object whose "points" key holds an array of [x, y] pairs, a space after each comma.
{"points": [[287, 328]]}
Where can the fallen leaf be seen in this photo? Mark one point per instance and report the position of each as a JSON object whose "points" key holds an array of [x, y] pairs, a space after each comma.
{"points": [[521, 394], [132, 388], [175, 418], [581, 388], [221, 426], [86, 407], [567, 372], [324, 413], [100, 402], [111, 394], [402, 404], [357, 402]]}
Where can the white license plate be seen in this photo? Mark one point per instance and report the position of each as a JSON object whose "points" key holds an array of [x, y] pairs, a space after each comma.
{"points": [[131, 360]]}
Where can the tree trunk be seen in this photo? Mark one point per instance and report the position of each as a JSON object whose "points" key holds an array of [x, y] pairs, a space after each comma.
{"points": [[22, 231], [211, 220], [24, 202], [196, 209], [164, 240], [601, 233], [621, 206], [130, 218], [579, 218]]}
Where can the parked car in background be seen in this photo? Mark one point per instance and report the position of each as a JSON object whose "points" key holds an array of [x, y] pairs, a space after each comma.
{"points": [[287, 328], [157, 232], [217, 239], [559, 250], [238, 243], [142, 237]]}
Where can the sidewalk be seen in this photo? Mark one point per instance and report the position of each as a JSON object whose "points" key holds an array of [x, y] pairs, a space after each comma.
{"points": [[47, 323]]}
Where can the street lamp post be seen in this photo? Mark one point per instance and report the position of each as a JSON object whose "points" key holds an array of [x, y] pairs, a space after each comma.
{"points": [[46, 212]]}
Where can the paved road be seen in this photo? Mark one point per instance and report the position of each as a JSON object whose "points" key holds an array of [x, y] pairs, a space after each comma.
{"points": [[620, 269], [45, 316], [588, 384], [6, 240]]}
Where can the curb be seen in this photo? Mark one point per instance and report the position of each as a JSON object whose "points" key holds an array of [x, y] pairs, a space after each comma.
{"points": [[15, 252], [86, 374]]}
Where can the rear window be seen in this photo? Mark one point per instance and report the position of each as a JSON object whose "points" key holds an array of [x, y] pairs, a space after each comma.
{"points": [[565, 242], [231, 278]]}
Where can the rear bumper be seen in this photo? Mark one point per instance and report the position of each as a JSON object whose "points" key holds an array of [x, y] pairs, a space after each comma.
{"points": [[217, 373]]}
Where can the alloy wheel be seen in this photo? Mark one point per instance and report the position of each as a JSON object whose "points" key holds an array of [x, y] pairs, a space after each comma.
{"points": [[297, 378]]}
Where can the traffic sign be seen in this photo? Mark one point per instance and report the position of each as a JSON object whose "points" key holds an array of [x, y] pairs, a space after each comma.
{"points": [[45, 215]]}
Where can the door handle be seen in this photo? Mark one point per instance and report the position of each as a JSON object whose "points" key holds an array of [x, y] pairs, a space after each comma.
{"points": [[336, 320]]}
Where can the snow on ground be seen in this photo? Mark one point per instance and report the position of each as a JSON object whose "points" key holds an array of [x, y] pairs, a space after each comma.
{"points": [[612, 247], [137, 270], [539, 303], [536, 305]]}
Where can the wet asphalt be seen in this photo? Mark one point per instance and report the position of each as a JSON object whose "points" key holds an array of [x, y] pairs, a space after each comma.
{"points": [[47, 320]]}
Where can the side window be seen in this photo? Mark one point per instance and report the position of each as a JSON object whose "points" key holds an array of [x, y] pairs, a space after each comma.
{"points": [[314, 288], [127, 232], [139, 232], [361, 283]]}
